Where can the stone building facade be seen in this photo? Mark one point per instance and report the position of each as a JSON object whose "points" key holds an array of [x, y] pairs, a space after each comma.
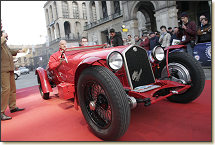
{"points": [[65, 20], [139, 17]]}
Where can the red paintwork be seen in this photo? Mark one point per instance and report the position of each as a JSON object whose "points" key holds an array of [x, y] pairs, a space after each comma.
{"points": [[46, 87], [175, 47], [66, 76]]}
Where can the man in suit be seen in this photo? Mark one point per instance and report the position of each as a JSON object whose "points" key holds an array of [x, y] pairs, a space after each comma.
{"points": [[8, 86]]}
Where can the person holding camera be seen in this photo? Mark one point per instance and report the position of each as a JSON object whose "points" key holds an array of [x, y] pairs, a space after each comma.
{"points": [[187, 33], [8, 85], [204, 31]]}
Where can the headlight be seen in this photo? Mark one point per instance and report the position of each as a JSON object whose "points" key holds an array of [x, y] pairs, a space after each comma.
{"points": [[158, 53], [115, 60]]}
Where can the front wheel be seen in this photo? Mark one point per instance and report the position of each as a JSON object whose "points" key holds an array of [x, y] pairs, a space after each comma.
{"points": [[186, 70], [103, 102]]}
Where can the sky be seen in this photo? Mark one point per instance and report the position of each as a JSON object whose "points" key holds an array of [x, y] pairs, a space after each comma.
{"points": [[24, 22]]}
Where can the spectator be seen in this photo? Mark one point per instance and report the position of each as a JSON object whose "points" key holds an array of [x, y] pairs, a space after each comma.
{"points": [[55, 59], [165, 37], [204, 32], [124, 41], [153, 41], [137, 40], [84, 41], [200, 19], [174, 35], [157, 33], [8, 85], [115, 38], [187, 33], [145, 42], [129, 40], [170, 31]]}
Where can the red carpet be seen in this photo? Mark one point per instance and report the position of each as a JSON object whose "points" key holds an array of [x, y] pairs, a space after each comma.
{"points": [[57, 120]]}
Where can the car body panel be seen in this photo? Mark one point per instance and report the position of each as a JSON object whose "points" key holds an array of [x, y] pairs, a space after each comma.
{"points": [[67, 74], [46, 87]]}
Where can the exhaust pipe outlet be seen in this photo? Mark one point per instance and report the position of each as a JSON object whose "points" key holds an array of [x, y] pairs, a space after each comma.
{"points": [[132, 102]]}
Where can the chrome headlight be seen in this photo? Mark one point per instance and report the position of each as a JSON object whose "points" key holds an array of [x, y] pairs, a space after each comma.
{"points": [[115, 60], [158, 53]]}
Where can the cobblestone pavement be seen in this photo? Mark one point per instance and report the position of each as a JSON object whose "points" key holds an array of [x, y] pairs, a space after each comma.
{"points": [[30, 79]]}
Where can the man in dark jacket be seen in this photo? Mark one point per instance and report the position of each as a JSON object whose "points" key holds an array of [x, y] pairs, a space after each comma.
{"points": [[187, 33], [153, 41], [115, 38]]}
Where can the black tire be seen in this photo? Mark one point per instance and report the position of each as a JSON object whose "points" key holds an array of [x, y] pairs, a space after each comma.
{"points": [[45, 96], [111, 97], [196, 73], [16, 76]]}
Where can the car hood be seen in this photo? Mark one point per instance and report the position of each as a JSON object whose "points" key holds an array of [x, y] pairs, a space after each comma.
{"points": [[97, 52]]}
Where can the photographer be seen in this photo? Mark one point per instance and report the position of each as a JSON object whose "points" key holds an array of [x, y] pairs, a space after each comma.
{"points": [[187, 33], [204, 32]]}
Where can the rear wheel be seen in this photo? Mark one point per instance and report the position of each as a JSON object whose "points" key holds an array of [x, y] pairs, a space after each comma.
{"points": [[186, 70], [103, 102], [45, 96]]}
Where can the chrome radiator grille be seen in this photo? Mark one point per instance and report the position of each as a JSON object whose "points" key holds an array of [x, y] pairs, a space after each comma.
{"points": [[138, 67]]}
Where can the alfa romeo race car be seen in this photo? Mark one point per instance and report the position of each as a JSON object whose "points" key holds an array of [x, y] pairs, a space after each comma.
{"points": [[108, 82]]}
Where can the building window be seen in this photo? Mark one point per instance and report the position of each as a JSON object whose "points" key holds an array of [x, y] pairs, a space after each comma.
{"points": [[65, 8], [94, 11], [116, 6], [104, 9], [84, 11], [75, 10]]}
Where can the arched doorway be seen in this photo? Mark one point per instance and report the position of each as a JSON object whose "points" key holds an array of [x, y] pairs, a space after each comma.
{"points": [[144, 13], [67, 29]]}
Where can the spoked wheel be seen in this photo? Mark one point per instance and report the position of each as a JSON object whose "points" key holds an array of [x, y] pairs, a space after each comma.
{"points": [[103, 102], [97, 105], [45, 96], [186, 70]]}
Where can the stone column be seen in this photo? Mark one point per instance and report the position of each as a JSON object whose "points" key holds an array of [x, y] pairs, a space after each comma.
{"points": [[108, 3], [166, 17], [61, 27], [89, 19], [98, 9], [132, 27], [70, 9], [59, 8]]}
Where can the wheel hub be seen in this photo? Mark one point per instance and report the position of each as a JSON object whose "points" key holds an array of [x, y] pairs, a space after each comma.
{"points": [[92, 105]]}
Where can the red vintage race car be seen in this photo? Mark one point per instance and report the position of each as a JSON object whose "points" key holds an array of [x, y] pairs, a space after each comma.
{"points": [[108, 82]]}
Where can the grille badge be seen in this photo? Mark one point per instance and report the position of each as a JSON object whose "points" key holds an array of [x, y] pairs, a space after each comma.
{"points": [[135, 49]]}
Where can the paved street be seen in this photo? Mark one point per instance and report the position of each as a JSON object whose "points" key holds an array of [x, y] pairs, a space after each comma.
{"points": [[29, 80]]}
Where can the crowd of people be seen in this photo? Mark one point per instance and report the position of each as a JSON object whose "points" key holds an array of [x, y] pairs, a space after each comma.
{"points": [[187, 33]]}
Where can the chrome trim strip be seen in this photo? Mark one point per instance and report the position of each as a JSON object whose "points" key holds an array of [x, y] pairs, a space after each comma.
{"points": [[126, 66]]}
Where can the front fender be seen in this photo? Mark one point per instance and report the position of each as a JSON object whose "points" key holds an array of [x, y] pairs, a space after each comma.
{"points": [[46, 87], [175, 47], [87, 62]]}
